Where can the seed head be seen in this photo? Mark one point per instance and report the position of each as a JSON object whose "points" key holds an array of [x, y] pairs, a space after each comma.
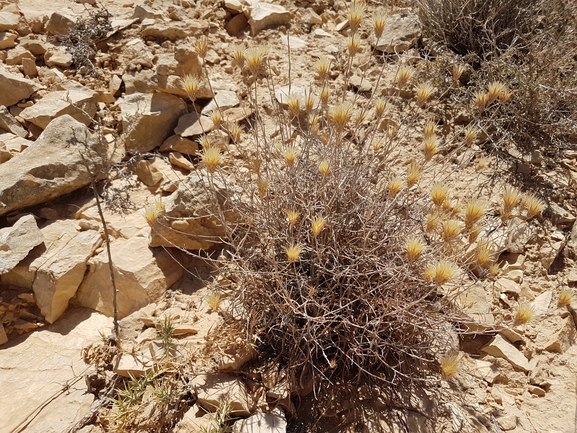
{"points": [[404, 74], [481, 100], [214, 300], [324, 168], [322, 67], [235, 131], [565, 296], [380, 105], [395, 185], [444, 271], [414, 246], [474, 211], [432, 220], [201, 46], [413, 173], [495, 89], [424, 92], [152, 211], [449, 365], [216, 117], [237, 52], [484, 255], [430, 147], [532, 204], [339, 115], [317, 225], [325, 93], [429, 130], [191, 84], [525, 312], [511, 197], [457, 72], [262, 185], [482, 163], [356, 14], [309, 102], [325, 138], [470, 134], [354, 44], [379, 23], [439, 193], [451, 230], [293, 251], [294, 104], [211, 158], [505, 96], [292, 216], [254, 57], [290, 155], [392, 131], [377, 146], [429, 274]]}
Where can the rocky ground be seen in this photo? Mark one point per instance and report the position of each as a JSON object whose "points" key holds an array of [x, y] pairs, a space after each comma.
{"points": [[91, 95]]}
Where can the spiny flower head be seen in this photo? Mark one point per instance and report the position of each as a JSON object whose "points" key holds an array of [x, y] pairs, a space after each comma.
{"points": [[254, 57], [293, 251], [449, 365], [322, 67], [216, 117], [511, 197], [211, 158], [379, 23], [505, 96], [191, 84], [413, 173], [484, 255], [380, 105], [432, 220], [152, 211], [470, 134], [414, 246], [325, 93], [292, 216], [444, 271], [294, 104], [565, 296], [324, 167], [439, 193], [354, 44], [395, 185], [482, 163], [309, 102], [525, 312], [339, 115], [533, 204], [481, 100], [235, 130], [290, 155], [237, 52], [495, 89], [430, 147], [317, 225], [404, 74], [451, 230], [262, 185], [356, 14], [474, 211], [201, 46], [429, 129], [424, 92], [457, 72]]}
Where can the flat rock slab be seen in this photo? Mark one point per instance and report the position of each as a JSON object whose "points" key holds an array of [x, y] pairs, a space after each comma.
{"points": [[15, 87], [17, 241], [401, 32], [35, 368], [263, 15], [52, 166], [501, 348]]}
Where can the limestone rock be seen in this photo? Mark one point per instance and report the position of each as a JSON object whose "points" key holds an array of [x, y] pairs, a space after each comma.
{"points": [[179, 144], [274, 422], [59, 277], [29, 67], [191, 125], [8, 21], [9, 123], [59, 24], [75, 100], [505, 285], [283, 93], [475, 302], [236, 24], [7, 40], [212, 389], [223, 100], [14, 87], [16, 55], [3, 336], [560, 216], [191, 423], [175, 29], [144, 81], [190, 218], [501, 348], [58, 57], [401, 32], [542, 302], [148, 119], [17, 241], [51, 166], [179, 160], [147, 173], [34, 44], [263, 15], [40, 364], [142, 276]]}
